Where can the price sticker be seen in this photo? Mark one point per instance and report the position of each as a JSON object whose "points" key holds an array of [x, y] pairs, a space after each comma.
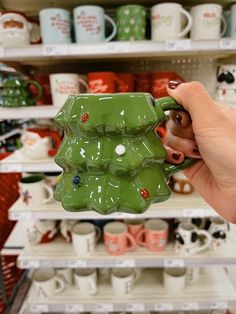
{"points": [[174, 263], [164, 307], [227, 44], [74, 308], [55, 50], [178, 45], [193, 306], [103, 307], [39, 308], [77, 263], [139, 307], [20, 215], [219, 305], [11, 168], [125, 263], [29, 264], [190, 213]]}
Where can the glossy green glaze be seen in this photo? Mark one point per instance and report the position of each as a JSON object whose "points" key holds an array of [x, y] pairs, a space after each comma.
{"points": [[16, 93], [111, 150]]}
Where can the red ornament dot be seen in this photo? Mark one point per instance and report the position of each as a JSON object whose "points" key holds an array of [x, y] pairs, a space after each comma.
{"points": [[144, 193], [85, 117]]}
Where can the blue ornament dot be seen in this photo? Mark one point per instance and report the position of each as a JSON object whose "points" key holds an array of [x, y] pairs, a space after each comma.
{"points": [[76, 180]]}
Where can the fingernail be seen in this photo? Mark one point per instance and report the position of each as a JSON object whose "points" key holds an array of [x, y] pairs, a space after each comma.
{"points": [[173, 84], [176, 156], [178, 119], [196, 150]]}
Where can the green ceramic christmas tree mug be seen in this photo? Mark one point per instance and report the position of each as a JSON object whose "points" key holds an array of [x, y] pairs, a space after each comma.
{"points": [[112, 159]]}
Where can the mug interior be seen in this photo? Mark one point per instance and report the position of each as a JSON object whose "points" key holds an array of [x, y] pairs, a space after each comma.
{"points": [[32, 179], [156, 225], [83, 228], [52, 174], [175, 272], [122, 272], [44, 274], [115, 228], [84, 271], [134, 222]]}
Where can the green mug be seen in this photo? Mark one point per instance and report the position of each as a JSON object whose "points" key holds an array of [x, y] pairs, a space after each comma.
{"points": [[16, 93], [112, 159], [131, 22]]}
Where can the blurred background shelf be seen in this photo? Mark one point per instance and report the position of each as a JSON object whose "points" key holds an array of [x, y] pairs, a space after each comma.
{"points": [[34, 112]]}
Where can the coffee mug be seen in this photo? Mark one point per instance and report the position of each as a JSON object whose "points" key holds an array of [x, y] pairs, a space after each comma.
{"points": [[166, 21], [187, 240], [14, 29], [219, 230], [109, 143], [128, 80], [16, 93], [84, 238], [39, 144], [131, 22], [66, 226], [52, 178], [134, 226], [207, 19], [160, 80], [89, 22], [34, 191], [86, 280], [104, 82], [41, 231], [43, 81], [143, 82], [65, 274], [55, 26], [226, 82], [154, 236], [123, 280], [174, 280], [65, 84], [117, 239], [46, 283]]}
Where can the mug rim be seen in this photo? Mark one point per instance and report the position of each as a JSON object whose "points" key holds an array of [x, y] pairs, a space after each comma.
{"points": [[83, 224], [89, 6], [90, 270], [108, 226], [176, 272], [167, 3], [187, 226], [53, 9], [42, 270], [160, 225], [32, 179], [131, 5], [129, 270], [205, 5]]}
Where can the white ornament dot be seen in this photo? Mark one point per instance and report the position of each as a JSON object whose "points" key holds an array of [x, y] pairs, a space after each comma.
{"points": [[120, 149]]}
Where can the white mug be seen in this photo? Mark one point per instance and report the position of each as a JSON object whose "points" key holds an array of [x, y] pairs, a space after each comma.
{"points": [[218, 229], [187, 239], [65, 84], [66, 226], [86, 280], [34, 191], [123, 279], [207, 20], [166, 21], [46, 283], [65, 274], [41, 231], [174, 280], [89, 22], [226, 82], [84, 238]]}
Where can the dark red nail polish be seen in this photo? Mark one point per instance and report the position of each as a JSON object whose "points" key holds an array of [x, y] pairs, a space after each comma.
{"points": [[178, 119], [173, 84], [176, 156], [196, 150]]}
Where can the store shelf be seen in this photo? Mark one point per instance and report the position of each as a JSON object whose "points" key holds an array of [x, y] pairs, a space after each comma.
{"points": [[212, 291], [17, 162], [50, 255], [120, 50], [177, 206], [34, 112]]}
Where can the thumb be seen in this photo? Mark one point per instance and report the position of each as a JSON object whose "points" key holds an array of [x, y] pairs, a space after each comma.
{"points": [[194, 98]]}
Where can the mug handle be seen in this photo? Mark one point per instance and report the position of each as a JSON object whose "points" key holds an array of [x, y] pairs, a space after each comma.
{"points": [[189, 24], [38, 86], [93, 286], [161, 105], [50, 193], [80, 80], [61, 285], [205, 245], [225, 26], [113, 24], [132, 242], [98, 234], [139, 236]]}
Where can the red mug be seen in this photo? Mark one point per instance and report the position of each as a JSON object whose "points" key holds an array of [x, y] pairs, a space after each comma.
{"points": [[104, 82], [142, 82], [43, 80], [128, 82], [159, 82]]}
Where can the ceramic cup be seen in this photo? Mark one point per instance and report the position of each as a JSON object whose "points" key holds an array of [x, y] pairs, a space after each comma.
{"points": [[41, 231], [46, 283], [219, 230], [174, 280], [84, 238], [160, 80], [187, 239], [66, 226], [154, 236], [65, 274], [123, 280], [166, 21], [131, 22], [65, 84], [104, 82], [134, 226], [14, 29], [117, 239], [207, 20], [34, 191], [143, 82], [89, 22], [86, 280], [55, 24], [128, 80], [51, 178], [180, 184], [226, 82]]}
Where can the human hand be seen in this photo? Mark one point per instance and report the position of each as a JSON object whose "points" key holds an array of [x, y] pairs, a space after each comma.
{"points": [[210, 134]]}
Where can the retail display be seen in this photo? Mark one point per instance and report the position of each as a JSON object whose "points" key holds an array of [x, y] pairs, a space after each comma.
{"points": [[41, 231]]}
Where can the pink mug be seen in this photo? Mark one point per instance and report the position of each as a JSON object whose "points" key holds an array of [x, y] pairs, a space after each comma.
{"points": [[134, 226], [154, 236], [117, 239]]}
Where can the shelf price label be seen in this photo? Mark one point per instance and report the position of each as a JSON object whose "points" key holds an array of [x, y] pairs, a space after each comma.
{"points": [[190, 213], [139, 307], [174, 263], [219, 305], [55, 50], [39, 308], [163, 307], [178, 45], [125, 263], [20, 215], [77, 263], [193, 306], [74, 308], [103, 307], [27, 264], [227, 43]]}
